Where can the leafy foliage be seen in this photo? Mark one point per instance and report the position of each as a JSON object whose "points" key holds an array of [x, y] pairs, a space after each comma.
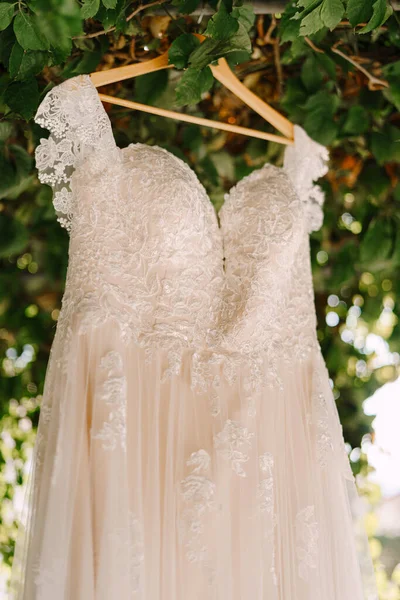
{"points": [[331, 66], [315, 15]]}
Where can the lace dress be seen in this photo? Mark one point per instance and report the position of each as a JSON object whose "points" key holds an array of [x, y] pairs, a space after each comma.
{"points": [[189, 446]]}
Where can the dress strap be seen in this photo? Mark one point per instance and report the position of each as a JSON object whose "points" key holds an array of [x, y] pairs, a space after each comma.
{"points": [[305, 162], [79, 126]]}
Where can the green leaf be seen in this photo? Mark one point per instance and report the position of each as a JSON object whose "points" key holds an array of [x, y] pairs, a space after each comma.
{"points": [[327, 64], [90, 8], [311, 75], [185, 7], [322, 102], [108, 17], [245, 15], [237, 57], [392, 70], [14, 63], [392, 73], [358, 12], [149, 87], [298, 49], [309, 5], [319, 122], [357, 121], [23, 97], [228, 4], [192, 85], [211, 50], [8, 176], [385, 144], [393, 94], [110, 3], [374, 179], [27, 32], [311, 23], [23, 160], [377, 242], [6, 14], [20, 165], [332, 12], [181, 49], [191, 138], [86, 63], [295, 98], [381, 12], [13, 235], [23, 168], [25, 63], [7, 41], [58, 22], [379, 147], [222, 25], [58, 34], [288, 26]]}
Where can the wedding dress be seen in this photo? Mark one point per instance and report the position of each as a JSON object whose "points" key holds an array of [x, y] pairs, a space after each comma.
{"points": [[189, 446]]}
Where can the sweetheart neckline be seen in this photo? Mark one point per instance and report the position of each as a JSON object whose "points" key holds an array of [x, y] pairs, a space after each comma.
{"points": [[227, 195], [63, 112]]}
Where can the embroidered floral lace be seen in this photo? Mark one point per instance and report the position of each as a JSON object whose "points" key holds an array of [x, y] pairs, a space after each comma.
{"points": [[189, 446]]}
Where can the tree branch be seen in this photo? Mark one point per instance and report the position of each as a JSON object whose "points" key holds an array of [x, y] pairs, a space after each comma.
{"points": [[373, 82], [274, 42], [128, 18]]}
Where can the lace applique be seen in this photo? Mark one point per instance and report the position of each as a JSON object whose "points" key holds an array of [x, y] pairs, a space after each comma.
{"points": [[266, 485], [266, 250], [266, 496], [324, 437], [48, 580], [198, 493], [228, 443], [113, 394], [329, 431], [306, 541], [128, 543], [79, 127], [215, 407], [305, 162], [146, 252]]}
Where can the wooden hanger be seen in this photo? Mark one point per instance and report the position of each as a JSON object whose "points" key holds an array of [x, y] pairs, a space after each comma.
{"points": [[223, 74]]}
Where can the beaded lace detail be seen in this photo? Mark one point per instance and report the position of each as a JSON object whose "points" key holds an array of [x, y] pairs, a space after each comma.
{"points": [[238, 295], [198, 492], [306, 542], [229, 443], [305, 162], [113, 393], [79, 129]]}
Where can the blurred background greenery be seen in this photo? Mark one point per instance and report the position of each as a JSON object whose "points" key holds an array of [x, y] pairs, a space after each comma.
{"points": [[330, 66]]}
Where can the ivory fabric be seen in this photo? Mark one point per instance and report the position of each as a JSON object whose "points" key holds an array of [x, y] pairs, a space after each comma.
{"points": [[189, 446]]}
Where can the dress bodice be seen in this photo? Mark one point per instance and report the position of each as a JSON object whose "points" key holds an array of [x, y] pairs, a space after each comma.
{"points": [[147, 251]]}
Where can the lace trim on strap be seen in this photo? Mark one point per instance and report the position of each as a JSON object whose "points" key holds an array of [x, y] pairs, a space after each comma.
{"points": [[305, 162], [78, 125]]}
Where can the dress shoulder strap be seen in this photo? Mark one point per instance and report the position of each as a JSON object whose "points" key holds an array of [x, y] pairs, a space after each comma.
{"points": [[78, 126], [305, 162]]}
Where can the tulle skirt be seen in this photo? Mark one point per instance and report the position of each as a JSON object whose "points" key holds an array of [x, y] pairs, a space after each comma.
{"points": [[143, 489]]}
